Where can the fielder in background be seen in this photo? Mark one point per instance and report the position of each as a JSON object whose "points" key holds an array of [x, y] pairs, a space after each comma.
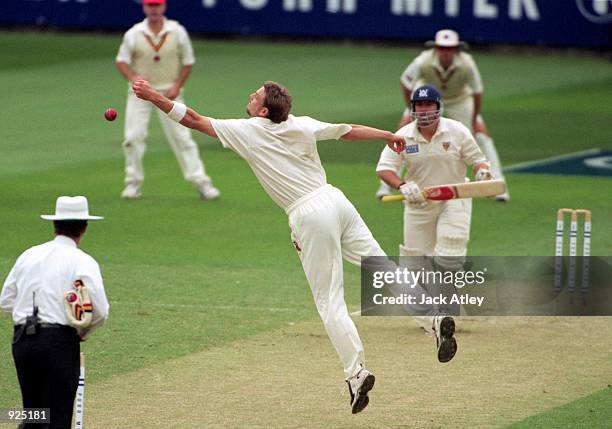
{"points": [[455, 74], [159, 50], [438, 151], [281, 149], [56, 296]]}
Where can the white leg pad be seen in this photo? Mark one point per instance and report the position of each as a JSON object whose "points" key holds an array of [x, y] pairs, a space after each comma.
{"points": [[413, 259], [407, 251], [450, 252], [416, 260]]}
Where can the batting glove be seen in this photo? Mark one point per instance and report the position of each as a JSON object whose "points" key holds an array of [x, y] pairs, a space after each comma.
{"points": [[483, 174], [412, 193]]}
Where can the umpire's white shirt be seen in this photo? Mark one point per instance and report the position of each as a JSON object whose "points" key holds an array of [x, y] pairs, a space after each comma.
{"points": [[437, 162], [50, 269], [283, 156]]}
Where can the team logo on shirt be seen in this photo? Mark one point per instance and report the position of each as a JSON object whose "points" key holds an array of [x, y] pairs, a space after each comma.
{"points": [[412, 148], [446, 145]]}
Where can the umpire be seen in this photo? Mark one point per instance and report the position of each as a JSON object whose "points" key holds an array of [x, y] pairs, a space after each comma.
{"points": [[48, 332]]}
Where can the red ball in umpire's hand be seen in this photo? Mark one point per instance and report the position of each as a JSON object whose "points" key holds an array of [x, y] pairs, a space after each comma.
{"points": [[110, 114]]}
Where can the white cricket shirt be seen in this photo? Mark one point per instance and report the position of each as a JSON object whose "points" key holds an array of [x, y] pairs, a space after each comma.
{"points": [[158, 58], [460, 80], [442, 161], [283, 156], [50, 269]]}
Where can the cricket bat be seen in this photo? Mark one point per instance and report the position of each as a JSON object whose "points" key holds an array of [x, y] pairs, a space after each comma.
{"points": [[485, 188], [80, 397]]}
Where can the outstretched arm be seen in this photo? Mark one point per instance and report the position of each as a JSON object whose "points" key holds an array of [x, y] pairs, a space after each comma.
{"points": [[191, 119], [361, 132]]}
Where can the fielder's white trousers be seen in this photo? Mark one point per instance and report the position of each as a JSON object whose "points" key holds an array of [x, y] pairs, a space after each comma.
{"points": [[325, 228], [440, 225], [137, 115]]}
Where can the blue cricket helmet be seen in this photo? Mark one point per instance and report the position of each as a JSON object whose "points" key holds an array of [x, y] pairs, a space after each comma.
{"points": [[426, 93]]}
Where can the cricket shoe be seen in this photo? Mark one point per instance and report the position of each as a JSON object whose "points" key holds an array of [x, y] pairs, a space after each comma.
{"points": [[208, 192], [359, 386], [444, 327], [131, 192], [383, 190]]}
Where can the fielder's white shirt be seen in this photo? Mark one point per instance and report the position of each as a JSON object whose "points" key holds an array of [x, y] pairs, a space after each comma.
{"points": [[460, 80], [50, 269], [441, 161], [175, 51], [283, 156]]}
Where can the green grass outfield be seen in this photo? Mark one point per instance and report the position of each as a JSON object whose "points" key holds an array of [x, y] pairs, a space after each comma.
{"points": [[198, 283]]}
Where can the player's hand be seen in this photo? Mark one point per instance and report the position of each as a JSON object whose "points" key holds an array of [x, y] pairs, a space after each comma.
{"points": [[483, 174], [173, 92], [396, 143], [143, 89], [412, 193]]}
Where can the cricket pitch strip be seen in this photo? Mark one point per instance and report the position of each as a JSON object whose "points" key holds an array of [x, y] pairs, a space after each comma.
{"points": [[506, 369]]}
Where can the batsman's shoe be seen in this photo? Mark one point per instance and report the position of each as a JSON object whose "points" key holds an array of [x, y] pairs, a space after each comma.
{"points": [[208, 191], [383, 190], [444, 327], [359, 386], [131, 192]]}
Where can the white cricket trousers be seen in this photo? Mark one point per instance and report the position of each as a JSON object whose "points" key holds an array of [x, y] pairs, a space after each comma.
{"points": [[137, 115], [325, 228], [439, 229]]}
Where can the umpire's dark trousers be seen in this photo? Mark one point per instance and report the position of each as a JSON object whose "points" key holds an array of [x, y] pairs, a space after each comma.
{"points": [[47, 366]]}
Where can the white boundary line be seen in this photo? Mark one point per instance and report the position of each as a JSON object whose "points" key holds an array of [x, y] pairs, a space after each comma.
{"points": [[551, 159]]}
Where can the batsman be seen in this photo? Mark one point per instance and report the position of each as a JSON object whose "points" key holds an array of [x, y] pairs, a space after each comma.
{"points": [[438, 151]]}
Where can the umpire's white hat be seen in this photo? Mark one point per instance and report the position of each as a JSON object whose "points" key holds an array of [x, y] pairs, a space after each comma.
{"points": [[71, 208]]}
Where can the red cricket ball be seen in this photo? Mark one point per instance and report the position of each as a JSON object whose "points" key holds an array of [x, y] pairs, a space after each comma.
{"points": [[110, 114]]}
